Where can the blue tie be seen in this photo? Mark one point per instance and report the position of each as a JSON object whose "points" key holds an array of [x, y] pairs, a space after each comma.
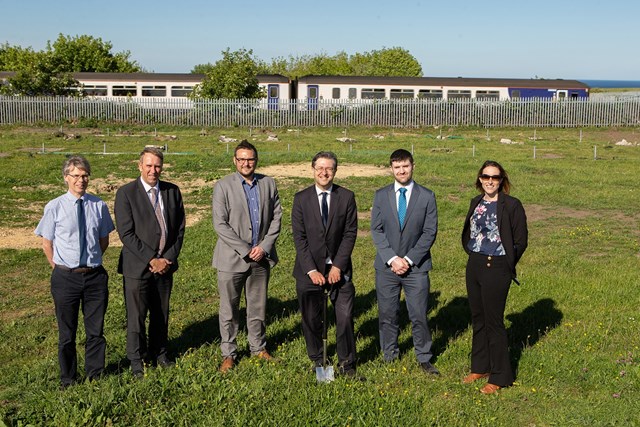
{"points": [[402, 206], [82, 233]]}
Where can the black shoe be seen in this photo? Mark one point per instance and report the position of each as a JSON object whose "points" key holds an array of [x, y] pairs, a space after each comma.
{"points": [[165, 362], [429, 368], [351, 373], [137, 370], [66, 385]]}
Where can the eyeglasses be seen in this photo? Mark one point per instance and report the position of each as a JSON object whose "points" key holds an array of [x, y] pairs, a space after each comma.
{"points": [[486, 178], [250, 160], [328, 170], [77, 177]]}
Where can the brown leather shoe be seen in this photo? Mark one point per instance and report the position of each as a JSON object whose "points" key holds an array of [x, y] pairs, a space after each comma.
{"points": [[490, 388], [227, 364], [264, 355], [474, 377]]}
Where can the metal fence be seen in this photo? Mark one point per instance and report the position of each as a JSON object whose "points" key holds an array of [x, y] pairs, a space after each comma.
{"points": [[329, 113]]}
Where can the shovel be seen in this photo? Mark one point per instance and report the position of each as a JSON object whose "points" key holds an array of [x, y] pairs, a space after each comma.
{"points": [[324, 373]]}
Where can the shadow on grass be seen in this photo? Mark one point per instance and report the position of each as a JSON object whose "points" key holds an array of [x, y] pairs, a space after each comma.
{"points": [[530, 326], [450, 321], [207, 331]]}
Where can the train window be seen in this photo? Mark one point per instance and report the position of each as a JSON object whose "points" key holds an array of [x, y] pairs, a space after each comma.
{"points": [[401, 93], [125, 90], [353, 93], [515, 93], [154, 91], [95, 90], [372, 93], [335, 93], [458, 94], [488, 95], [430, 94], [181, 91]]}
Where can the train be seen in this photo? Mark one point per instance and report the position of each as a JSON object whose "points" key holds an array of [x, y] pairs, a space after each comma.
{"points": [[310, 91]]}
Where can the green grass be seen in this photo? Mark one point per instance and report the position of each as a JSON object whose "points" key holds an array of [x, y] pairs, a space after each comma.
{"points": [[573, 324]]}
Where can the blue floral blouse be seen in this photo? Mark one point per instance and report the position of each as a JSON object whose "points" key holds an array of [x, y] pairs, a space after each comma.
{"points": [[485, 236]]}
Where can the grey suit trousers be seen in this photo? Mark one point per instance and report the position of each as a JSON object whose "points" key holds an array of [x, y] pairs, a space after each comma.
{"points": [[255, 282], [416, 288]]}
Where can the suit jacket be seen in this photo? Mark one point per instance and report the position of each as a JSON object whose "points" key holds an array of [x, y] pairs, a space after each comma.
{"points": [[313, 242], [232, 222], [139, 230], [417, 235], [512, 224]]}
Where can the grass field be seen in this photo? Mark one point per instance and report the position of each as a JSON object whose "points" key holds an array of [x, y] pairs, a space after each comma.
{"points": [[574, 324]]}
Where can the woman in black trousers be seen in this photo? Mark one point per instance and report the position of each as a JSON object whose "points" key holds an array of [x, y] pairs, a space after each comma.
{"points": [[495, 237]]}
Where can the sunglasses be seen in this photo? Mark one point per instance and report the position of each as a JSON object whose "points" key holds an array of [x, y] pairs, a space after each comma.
{"points": [[485, 177]]}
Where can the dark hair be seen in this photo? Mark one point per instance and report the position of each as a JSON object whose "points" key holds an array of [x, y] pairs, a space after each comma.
{"points": [[246, 145], [78, 162], [400, 155], [325, 155], [505, 185], [154, 151]]}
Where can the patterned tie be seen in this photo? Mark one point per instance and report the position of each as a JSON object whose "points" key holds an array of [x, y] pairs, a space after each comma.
{"points": [[402, 206], [82, 233], [159, 217], [325, 209]]}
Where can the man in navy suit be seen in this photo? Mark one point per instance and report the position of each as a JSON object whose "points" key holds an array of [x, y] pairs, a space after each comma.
{"points": [[404, 223], [150, 221], [325, 224]]}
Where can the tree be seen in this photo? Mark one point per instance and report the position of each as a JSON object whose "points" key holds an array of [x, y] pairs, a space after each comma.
{"points": [[394, 61], [48, 72], [233, 77], [88, 54]]}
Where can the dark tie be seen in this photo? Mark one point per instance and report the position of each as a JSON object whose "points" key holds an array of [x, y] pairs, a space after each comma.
{"points": [[160, 218], [82, 232], [402, 206], [325, 209]]}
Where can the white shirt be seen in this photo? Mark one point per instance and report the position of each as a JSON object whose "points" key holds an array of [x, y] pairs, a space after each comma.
{"points": [[147, 189]]}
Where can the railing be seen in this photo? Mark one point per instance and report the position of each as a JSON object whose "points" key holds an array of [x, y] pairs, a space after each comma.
{"points": [[338, 113]]}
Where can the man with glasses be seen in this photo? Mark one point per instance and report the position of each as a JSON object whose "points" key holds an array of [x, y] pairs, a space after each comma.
{"points": [[75, 231], [246, 217], [151, 221], [324, 220]]}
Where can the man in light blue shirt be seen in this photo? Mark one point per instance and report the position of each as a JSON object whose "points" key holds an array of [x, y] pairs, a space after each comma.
{"points": [[75, 231]]}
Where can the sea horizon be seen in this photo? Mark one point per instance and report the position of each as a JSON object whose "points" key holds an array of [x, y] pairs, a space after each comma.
{"points": [[608, 84]]}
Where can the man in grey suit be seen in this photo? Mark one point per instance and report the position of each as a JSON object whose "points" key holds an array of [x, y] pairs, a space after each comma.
{"points": [[246, 217], [404, 223]]}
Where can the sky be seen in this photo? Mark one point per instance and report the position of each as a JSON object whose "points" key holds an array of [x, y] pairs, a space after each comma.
{"points": [[567, 39]]}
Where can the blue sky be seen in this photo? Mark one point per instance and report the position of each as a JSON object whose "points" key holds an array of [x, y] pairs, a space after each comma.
{"points": [[590, 39]]}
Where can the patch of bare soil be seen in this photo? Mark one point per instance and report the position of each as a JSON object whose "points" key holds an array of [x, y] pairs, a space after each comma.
{"points": [[541, 213], [23, 238], [303, 170]]}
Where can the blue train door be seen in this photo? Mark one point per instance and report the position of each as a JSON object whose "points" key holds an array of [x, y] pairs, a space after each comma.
{"points": [[273, 96], [312, 97]]}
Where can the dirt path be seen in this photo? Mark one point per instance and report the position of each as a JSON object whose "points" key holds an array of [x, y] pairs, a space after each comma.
{"points": [[23, 238]]}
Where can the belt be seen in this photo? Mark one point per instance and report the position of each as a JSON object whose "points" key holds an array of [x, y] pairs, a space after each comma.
{"points": [[82, 270]]}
